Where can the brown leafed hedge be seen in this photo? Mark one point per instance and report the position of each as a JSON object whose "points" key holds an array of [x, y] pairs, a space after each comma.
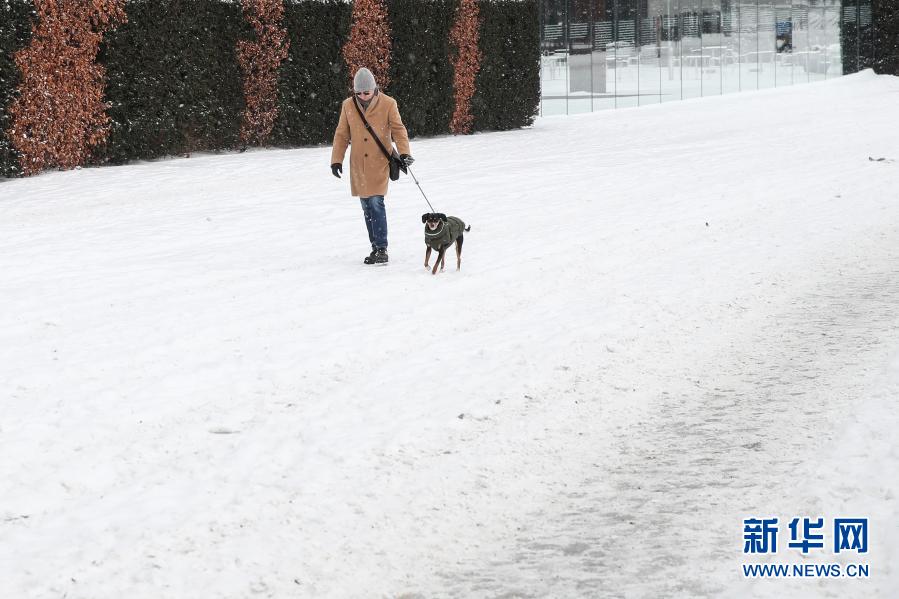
{"points": [[466, 63], [109, 81], [370, 42], [59, 114], [260, 60]]}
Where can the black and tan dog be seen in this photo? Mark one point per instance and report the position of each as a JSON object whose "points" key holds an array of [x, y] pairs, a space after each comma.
{"points": [[442, 231]]}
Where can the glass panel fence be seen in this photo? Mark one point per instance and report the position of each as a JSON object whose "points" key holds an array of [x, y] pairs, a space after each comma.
{"points": [[730, 47], [712, 50], [669, 51], [648, 49], [601, 54], [833, 53]]}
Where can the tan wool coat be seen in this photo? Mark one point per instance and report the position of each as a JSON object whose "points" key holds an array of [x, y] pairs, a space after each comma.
{"points": [[369, 170]]}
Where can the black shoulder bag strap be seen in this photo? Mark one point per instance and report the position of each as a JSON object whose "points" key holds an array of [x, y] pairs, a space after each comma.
{"points": [[390, 158]]}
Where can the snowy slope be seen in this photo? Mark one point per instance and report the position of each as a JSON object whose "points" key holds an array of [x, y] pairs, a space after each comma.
{"points": [[668, 319]]}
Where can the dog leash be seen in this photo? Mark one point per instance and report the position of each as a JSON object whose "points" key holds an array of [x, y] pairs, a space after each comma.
{"points": [[409, 168]]}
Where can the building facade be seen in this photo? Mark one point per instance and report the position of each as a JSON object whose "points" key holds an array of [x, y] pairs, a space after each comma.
{"points": [[599, 54]]}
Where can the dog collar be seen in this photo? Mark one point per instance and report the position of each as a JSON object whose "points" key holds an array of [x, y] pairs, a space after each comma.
{"points": [[437, 232]]}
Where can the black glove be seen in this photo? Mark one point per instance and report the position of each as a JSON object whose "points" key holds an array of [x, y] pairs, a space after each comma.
{"points": [[407, 160], [336, 169]]}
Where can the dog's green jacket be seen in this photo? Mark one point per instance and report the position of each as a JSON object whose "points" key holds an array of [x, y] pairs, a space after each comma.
{"points": [[446, 234]]}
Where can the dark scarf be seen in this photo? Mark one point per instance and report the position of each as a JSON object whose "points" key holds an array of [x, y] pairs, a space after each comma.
{"points": [[365, 103]]}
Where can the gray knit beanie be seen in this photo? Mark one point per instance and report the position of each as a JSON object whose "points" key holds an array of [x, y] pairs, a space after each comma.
{"points": [[364, 81]]}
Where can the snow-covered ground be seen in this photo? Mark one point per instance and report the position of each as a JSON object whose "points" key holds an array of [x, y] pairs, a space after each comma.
{"points": [[668, 320]]}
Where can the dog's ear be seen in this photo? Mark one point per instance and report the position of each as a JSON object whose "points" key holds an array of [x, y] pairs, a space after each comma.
{"points": [[442, 216], [424, 217]]}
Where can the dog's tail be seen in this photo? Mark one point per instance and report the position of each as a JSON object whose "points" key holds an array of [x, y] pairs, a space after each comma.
{"points": [[468, 228]]}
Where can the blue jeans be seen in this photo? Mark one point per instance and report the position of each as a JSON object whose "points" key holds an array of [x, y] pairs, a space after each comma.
{"points": [[375, 220]]}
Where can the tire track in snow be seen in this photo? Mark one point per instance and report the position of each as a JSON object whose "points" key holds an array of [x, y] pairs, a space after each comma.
{"points": [[662, 515]]}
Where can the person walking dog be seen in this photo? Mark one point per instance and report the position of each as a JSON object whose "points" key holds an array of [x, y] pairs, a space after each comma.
{"points": [[369, 167]]}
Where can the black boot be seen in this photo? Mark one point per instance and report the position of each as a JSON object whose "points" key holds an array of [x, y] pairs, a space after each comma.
{"points": [[370, 259], [379, 256]]}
